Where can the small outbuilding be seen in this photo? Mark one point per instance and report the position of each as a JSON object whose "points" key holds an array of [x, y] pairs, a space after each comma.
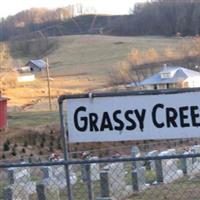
{"points": [[171, 77], [3, 113], [36, 65]]}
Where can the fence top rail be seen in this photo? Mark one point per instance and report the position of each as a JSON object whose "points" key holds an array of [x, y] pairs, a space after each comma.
{"points": [[104, 160], [127, 93]]}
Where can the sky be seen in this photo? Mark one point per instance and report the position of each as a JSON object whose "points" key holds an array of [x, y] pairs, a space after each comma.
{"points": [[11, 7]]}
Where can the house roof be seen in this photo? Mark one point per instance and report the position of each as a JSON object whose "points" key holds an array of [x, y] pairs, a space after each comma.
{"points": [[39, 63], [177, 73]]}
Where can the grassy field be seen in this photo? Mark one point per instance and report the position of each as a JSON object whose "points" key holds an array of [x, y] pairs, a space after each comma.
{"points": [[32, 119], [96, 56], [80, 63]]}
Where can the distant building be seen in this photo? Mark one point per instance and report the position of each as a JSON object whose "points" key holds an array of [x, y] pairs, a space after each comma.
{"points": [[172, 77], [36, 65], [3, 113], [26, 78], [24, 69]]}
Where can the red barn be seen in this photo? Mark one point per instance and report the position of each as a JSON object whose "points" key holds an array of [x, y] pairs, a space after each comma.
{"points": [[3, 113]]}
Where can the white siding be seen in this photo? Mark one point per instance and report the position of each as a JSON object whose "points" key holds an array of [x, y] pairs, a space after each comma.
{"points": [[26, 78], [193, 81]]}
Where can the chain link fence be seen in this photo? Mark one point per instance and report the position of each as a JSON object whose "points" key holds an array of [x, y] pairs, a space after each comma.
{"points": [[157, 175]]}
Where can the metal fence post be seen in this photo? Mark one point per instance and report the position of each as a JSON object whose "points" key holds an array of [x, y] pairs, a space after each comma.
{"points": [[104, 186], [65, 148], [135, 180], [135, 152], [89, 182], [11, 178], [159, 171], [40, 188], [45, 172], [183, 163], [7, 194]]}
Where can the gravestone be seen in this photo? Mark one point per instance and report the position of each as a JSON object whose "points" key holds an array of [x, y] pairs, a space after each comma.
{"points": [[138, 171], [57, 175], [190, 166], [19, 174], [20, 183], [117, 184], [196, 150], [94, 169], [138, 176], [170, 171], [135, 153], [153, 153], [104, 186], [47, 190]]}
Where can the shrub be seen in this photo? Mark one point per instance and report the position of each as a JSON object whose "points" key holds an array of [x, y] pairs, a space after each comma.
{"points": [[14, 153], [23, 150], [25, 143], [6, 146]]}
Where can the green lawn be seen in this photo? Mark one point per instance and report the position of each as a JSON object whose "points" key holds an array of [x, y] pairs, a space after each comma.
{"points": [[32, 119]]}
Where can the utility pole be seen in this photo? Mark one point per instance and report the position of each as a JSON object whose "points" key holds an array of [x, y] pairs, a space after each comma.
{"points": [[48, 83]]}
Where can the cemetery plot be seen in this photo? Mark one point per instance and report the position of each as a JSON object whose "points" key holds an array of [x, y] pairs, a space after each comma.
{"points": [[160, 179]]}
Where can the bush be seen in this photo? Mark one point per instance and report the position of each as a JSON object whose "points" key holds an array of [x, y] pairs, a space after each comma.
{"points": [[42, 144], [23, 150], [25, 143], [6, 146], [14, 153]]}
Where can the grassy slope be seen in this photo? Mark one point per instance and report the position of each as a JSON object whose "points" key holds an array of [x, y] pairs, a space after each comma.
{"points": [[32, 119], [89, 59], [97, 55]]}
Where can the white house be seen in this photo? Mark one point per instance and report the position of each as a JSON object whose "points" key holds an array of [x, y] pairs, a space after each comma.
{"points": [[172, 77]]}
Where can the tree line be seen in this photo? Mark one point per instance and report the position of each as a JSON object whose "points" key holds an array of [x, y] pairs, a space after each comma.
{"points": [[32, 20], [157, 17], [162, 17]]}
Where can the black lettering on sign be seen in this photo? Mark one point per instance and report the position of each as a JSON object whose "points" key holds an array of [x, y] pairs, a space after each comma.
{"points": [[120, 123], [132, 125], [183, 116], [106, 122], [93, 117], [84, 120], [194, 115], [141, 117], [154, 115], [171, 116]]}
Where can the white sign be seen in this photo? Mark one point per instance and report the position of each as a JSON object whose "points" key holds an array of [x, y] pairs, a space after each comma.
{"points": [[143, 117]]}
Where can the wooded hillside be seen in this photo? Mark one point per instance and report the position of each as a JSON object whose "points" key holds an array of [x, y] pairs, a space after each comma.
{"points": [[158, 17]]}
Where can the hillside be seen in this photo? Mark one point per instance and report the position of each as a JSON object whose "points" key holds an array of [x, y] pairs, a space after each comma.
{"points": [[82, 63], [96, 55], [159, 17], [79, 63]]}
